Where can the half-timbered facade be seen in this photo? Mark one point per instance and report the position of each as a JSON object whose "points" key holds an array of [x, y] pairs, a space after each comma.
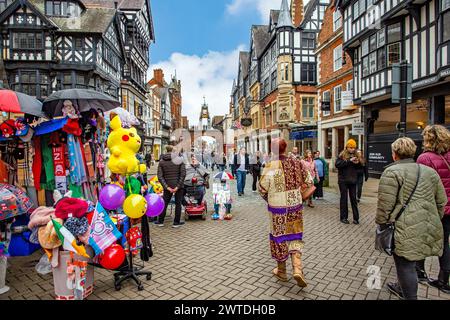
{"points": [[276, 79], [378, 34], [51, 45]]}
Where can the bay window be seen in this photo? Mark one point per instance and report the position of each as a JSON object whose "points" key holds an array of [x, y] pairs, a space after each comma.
{"points": [[393, 53], [446, 25], [28, 41]]}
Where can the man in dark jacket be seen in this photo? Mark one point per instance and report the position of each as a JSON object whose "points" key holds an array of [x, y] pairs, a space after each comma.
{"points": [[241, 166], [256, 169], [348, 165], [171, 175]]}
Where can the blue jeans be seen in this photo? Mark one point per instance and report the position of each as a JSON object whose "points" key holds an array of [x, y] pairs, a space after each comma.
{"points": [[241, 175]]}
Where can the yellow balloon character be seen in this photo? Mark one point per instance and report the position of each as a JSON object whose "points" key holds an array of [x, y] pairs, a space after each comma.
{"points": [[135, 206], [123, 145]]}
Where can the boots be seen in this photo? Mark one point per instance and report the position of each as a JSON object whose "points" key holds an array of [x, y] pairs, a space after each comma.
{"points": [[280, 271], [297, 269], [442, 282]]}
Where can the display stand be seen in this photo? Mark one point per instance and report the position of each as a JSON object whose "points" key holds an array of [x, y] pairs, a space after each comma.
{"points": [[131, 272]]}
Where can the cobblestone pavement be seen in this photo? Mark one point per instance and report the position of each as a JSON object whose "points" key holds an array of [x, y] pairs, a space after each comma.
{"points": [[231, 260]]}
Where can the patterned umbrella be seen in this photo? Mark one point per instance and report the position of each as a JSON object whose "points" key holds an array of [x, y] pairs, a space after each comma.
{"points": [[14, 202], [223, 176], [17, 102], [82, 99]]}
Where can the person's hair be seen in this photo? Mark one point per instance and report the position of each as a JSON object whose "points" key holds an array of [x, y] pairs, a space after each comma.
{"points": [[169, 148], [404, 148], [436, 138], [279, 146], [306, 153]]}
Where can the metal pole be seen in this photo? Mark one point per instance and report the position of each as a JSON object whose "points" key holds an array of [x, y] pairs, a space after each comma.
{"points": [[403, 98]]}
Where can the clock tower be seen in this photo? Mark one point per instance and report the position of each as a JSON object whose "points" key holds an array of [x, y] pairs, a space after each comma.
{"points": [[205, 119]]}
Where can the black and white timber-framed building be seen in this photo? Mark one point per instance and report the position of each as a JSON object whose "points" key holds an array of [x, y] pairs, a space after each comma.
{"points": [[49, 45], [380, 33]]}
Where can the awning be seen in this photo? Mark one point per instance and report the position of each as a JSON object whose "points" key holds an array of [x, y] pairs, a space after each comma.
{"points": [[302, 135]]}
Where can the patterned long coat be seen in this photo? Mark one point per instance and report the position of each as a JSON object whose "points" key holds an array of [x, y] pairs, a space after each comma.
{"points": [[280, 186]]}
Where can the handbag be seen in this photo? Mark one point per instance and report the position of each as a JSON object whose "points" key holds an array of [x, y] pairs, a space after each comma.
{"points": [[307, 190], [384, 236]]}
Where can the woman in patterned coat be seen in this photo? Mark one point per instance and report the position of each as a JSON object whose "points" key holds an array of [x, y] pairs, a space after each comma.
{"points": [[280, 186]]}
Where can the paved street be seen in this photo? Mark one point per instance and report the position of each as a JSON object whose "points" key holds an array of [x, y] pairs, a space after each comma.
{"points": [[231, 260]]}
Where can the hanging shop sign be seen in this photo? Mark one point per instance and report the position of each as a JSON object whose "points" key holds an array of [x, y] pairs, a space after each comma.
{"points": [[246, 122], [358, 129]]}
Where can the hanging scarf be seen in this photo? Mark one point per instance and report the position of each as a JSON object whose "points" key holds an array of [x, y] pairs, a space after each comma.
{"points": [[77, 167], [47, 163]]}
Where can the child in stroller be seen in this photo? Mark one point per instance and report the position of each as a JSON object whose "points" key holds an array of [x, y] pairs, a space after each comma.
{"points": [[195, 184]]}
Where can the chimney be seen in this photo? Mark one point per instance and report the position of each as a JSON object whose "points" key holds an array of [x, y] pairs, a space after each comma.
{"points": [[158, 75], [297, 12]]}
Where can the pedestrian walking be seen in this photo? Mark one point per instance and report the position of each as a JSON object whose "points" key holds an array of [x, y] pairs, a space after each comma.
{"points": [[310, 165], [280, 185], [171, 175], [436, 155], [322, 171], [241, 164], [363, 174], [348, 165], [256, 169], [412, 196]]}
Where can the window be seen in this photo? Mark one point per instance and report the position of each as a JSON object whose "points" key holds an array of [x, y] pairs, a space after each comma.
{"points": [[365, 66], [67, 81], [337, 99], [28, 80], [79, 44], [62, 8], [394, 33], [349, 85], [446, 26], [28, 41], [308, 104], [445, 4], [365, 47], [373, 62], [337, 58], [274, 80], [381, 58], [308, 40], [373, 43], [381, 38], [308, 72], [284, 72], [267, 114], [4, 4], [356, 10], [326, 98], [337, 20], [394, 53]]}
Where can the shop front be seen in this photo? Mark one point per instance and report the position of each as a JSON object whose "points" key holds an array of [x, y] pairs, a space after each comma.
{"points": [[304, 138]]}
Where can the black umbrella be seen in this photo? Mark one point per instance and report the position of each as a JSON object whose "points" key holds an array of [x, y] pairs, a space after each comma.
{"points": [[82, 99]]}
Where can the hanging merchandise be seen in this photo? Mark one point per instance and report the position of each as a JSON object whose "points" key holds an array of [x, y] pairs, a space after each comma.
{"points": [[134, 240], [103, 231], [48, 179], [77, 168], [112, 196], [68, 240], [132, 186], [60, 168], [123, 145]]}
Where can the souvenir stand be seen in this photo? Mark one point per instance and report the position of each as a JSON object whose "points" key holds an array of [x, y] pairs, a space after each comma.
{"points": [[86, 191]]}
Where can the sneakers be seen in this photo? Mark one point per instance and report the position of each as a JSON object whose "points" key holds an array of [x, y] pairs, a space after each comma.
{"points": [[444, 287], [355, 222], [395, 289], [159, 224], [177, 225]]}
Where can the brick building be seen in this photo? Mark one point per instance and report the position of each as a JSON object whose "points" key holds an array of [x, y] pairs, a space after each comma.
{"points": [[336, 110]]}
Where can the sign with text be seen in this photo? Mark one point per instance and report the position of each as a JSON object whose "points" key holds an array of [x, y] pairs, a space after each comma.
{"points": [[379, 155], [358, 129], [347, 98]]}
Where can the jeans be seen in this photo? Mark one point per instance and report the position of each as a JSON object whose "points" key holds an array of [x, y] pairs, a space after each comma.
{"points": [[167, 196], [347, 189], [256, 176], [407, 277], [359, 185], [241, 176], [318, 193], [221, 167], [444, 260]]}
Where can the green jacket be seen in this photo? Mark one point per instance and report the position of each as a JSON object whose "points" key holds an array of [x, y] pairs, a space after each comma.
{"points": [[418, 232]]}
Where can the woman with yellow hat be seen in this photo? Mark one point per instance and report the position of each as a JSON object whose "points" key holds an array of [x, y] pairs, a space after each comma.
{"points": [[348, 165]]}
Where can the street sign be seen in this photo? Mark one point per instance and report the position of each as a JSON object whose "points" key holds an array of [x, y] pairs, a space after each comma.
{"points": [[358, 129]]}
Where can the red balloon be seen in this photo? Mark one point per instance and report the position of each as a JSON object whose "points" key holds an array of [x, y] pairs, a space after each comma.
{"points": [[112, 258]]}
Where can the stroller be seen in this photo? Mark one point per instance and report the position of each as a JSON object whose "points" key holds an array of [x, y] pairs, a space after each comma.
{"points": [[192, 198]]}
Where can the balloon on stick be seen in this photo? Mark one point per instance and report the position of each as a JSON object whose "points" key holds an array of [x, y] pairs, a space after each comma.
{"points": [[111, 197], [135, 206], [155, 205]]}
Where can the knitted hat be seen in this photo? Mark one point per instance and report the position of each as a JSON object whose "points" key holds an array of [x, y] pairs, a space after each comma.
{"points": [[351, 144], [71, 207], [48, 238], [77, 227]]}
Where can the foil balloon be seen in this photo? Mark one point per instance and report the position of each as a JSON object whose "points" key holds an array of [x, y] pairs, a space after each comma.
{"points": [[155, 205], [123, 145], [156, 185], [111, 197], [135, 206]]}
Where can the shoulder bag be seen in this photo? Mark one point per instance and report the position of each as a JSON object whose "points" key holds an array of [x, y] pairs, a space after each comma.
{"points": [[384, 238]]}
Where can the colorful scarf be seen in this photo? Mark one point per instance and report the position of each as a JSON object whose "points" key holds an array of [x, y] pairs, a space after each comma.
{"points": [[77, 167]]}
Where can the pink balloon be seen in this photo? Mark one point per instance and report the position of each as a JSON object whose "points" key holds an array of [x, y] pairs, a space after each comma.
{"points": [[155, 205], [111, 196]]}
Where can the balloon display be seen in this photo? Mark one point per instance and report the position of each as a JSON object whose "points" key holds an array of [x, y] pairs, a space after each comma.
{"points": [[135, 206], [112, 258], [111, 197], [155, 205]]}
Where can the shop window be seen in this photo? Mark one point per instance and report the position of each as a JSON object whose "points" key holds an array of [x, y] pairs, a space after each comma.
{"points": [[446, 26], [417, 118]]}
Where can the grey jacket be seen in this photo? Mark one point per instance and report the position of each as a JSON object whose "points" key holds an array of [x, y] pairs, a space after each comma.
{"points": [[418, 231], [198, 171]]}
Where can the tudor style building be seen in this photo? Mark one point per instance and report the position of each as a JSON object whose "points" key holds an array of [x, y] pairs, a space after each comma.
{"points": [[275, 86], [378, 34]]}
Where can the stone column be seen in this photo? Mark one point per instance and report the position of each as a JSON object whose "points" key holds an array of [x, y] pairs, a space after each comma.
{"points": [[324, 143], [346, 134], [334, 146]]}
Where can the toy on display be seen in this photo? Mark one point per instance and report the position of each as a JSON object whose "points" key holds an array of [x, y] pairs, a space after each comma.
{"points": [[156, 186]]}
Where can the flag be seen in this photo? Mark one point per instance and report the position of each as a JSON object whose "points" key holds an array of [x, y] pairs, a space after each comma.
{"points": [[103, 231], [68, 240]]}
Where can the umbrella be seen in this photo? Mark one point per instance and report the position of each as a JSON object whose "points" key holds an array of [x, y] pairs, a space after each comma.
{"points": [[14, 201], [127, 119], [82, 99], [17, 102], [223, 176]]}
